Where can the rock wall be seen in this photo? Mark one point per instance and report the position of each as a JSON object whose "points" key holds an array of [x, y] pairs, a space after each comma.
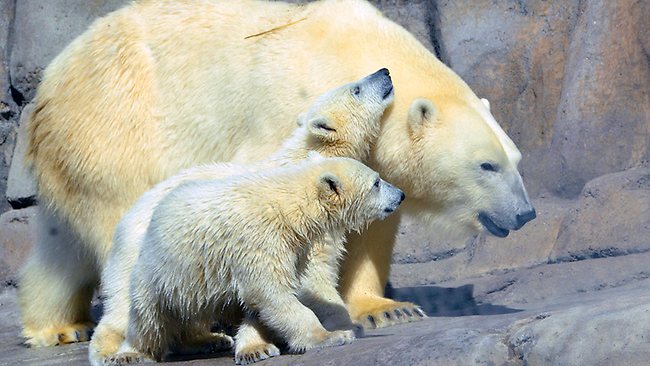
{"points": [[570, 83]]}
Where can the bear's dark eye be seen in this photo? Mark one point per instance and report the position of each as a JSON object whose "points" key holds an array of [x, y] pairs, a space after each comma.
{"points": [[489, 167], [376, 184], [356, 90]]}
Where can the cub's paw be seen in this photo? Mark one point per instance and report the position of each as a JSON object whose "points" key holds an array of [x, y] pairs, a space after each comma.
{"points": [[127, 358], [208, 343], [337, 338], [53, 336], [379, 312], [255, 353]]}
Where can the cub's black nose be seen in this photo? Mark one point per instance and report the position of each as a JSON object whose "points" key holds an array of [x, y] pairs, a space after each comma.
{"points": [[401, 199], [381, 73]]}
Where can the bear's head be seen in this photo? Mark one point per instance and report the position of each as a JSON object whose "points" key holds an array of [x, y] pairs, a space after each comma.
{"points": [[463, 165], [346, 121], [352, 193]]}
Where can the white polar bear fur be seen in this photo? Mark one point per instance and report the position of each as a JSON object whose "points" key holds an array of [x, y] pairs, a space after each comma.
{"points": [[160, 86], [356, 120], [215, 245]]}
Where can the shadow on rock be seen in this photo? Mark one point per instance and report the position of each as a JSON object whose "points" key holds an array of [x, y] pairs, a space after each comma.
{"points": [[446, 301]]}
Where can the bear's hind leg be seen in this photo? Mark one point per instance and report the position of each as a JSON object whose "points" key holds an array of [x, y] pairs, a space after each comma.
{"points": [[56, 287]]}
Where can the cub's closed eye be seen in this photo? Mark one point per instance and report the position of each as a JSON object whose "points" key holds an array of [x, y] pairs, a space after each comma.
{"points": [[376, 184], [489, 167], [356, 90]]}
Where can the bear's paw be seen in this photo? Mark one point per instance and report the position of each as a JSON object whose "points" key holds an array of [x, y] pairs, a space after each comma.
{"points": [[127, 358], [379, 312], [54, 336]]}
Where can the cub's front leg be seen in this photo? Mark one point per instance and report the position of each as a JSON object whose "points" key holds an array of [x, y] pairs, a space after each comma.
{"points": [[280, 310], [251, 344], [319, 282]]}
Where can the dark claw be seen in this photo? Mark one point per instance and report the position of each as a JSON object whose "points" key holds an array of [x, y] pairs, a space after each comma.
{"points": [[387, 315], [419, 312], [398, 313], [371, 319], [257, 355], [407, 312]]}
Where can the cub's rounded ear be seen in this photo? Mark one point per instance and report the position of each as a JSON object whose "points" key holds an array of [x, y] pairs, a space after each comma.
{"points": [[321, 127], [486, 103], [314, 156], [301, 119], [421, 112], [329, 185]]}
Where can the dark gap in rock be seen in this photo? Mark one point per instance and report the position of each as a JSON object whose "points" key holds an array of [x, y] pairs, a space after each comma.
{"points": [[596, 254], [22, 202], [433, 21], [16, 95]]}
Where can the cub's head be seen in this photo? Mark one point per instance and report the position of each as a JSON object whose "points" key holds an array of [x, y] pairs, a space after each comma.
{"points": [[353, 194], [466, 166], [346, 121]]}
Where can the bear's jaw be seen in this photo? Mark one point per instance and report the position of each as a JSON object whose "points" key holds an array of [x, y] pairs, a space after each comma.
{"points": [[491, 226]]}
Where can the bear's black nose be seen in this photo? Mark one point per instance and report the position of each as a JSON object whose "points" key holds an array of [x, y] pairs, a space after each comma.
{"points": [[402, 197], [523, 218]]}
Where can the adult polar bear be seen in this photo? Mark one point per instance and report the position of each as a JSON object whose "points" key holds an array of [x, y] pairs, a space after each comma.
{"points": [[159, 86]]}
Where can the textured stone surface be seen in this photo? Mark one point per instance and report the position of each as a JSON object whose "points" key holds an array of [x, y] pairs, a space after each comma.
{"points": [[17, 233], [612, 217], [568, 80], [8, 108], [42, 29], [422, 258], [21, 186], [605, 96]]}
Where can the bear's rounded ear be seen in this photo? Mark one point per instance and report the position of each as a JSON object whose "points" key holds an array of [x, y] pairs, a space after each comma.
{"points": [[422, 111], [321, 126], [329, 185], [486, 103]]}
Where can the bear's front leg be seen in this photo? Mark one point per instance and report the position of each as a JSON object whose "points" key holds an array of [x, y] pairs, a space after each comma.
{"points": [[364, 274]]}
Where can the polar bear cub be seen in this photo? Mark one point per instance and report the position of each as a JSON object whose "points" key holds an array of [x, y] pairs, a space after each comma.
{"points": [[343, 122], [214, 247]]}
